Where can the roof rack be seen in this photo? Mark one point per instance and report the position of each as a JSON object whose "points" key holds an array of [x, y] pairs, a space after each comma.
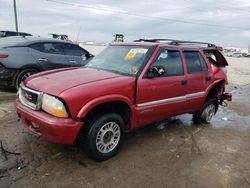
{"points": [[154, 40], [175, 42]]}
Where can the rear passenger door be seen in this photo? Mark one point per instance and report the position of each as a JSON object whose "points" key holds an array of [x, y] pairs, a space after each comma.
{"points": [[76, 55], [198, 78], [49, 55]]}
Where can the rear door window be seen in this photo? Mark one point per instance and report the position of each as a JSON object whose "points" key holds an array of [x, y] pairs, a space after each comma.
{"points": [[195, 62], [71, 49]]}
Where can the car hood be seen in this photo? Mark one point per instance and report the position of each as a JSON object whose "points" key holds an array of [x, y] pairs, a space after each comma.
{"points": [[57, 81]]}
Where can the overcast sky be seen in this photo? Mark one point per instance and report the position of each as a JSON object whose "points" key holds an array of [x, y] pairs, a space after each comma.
{"points": [[223, 22]]}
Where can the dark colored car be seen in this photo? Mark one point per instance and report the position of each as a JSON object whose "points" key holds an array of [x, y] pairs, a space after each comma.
{"points": [[126, 86], [21, 57], [12, 33]]}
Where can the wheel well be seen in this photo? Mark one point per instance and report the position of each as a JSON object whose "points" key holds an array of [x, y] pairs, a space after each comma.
{"points": [[214, 92], [118, 107], [23, 68], [31, 66], [35, 68]]}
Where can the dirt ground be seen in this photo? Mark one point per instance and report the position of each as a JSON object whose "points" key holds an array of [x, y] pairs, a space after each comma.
{"points": [[178, 154]]}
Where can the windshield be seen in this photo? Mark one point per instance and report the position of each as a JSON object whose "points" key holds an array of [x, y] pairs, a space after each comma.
{"points": [[121, 59]]}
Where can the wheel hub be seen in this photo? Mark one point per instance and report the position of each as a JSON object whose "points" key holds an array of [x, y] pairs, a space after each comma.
{"points": [[26, 75], [108, 137], [209, 112]]}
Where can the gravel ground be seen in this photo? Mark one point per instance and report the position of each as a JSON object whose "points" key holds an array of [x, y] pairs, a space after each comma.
{"points": [[178, 155]]}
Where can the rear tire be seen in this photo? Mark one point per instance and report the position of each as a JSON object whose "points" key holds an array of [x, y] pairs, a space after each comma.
{"points": [[207, 112], [22, 75], [102, 136]]}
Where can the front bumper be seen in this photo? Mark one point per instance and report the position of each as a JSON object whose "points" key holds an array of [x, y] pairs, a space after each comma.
{"points": [[7, 76], [58, 130]]}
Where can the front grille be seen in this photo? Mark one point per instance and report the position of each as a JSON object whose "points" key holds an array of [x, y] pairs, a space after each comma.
{"points": [[30, 98]]}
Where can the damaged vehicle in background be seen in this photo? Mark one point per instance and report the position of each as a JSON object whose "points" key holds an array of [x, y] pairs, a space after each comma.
{"points": [[22, 56], [126, 86], [12, 33]]}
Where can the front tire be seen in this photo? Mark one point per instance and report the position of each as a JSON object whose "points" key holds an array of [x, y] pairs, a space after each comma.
{"points": [[22, 75], [207, 112], [103, 136]]}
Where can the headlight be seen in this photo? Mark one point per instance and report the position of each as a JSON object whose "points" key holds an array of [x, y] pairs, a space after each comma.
{"points": [[53, 106]]}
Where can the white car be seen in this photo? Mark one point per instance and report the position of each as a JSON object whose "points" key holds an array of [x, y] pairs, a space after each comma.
{"points": [[237, 54]]}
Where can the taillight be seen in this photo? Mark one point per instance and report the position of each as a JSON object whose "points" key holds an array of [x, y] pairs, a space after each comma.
{"points": [[4, 55]]}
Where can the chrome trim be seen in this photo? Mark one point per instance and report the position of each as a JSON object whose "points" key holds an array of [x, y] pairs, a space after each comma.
{"points": [[168, 100], [173, 99], [198, 94], [146, 111], [22, 99]]}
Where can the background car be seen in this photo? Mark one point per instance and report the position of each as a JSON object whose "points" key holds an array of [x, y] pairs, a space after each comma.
{"points": [[237, 54], [22, 56], [12, 33], [246, 54]]}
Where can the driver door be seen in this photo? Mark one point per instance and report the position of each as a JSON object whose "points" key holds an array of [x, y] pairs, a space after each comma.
{"points": [[162, 96]]}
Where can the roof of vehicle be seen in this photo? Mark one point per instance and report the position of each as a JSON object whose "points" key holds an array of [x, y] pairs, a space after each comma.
{"points": [[24, 41], [13, 33], [170, 43]]}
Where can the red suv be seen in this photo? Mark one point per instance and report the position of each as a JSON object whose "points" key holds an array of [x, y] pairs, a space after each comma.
{"points": [[125, 87]]}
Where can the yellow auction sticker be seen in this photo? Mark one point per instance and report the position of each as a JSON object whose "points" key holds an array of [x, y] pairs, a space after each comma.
{"points": [[132, 52]]}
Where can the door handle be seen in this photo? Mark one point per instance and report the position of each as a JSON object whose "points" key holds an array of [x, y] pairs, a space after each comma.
{"points": [[208, 78], [184, 82], [43, 59], [72, 61]]}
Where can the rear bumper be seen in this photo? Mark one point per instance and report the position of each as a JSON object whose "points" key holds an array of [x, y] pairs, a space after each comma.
{"points": [[58, 130], [7, 76]]}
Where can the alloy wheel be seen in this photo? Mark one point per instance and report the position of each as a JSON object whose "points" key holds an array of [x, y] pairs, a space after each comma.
{"points": [[108, 137]]}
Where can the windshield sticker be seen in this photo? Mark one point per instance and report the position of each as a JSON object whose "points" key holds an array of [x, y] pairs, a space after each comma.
{"points": [[139, 50], [130, 55], [132, 52]]}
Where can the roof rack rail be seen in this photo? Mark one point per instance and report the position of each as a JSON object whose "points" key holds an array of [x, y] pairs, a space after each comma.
{"points": [[153, 40], [175, 42]]}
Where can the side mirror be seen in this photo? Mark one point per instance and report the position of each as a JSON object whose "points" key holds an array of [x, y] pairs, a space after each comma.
{"points": [[156, 71], [90, 55], [84, 57]]}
